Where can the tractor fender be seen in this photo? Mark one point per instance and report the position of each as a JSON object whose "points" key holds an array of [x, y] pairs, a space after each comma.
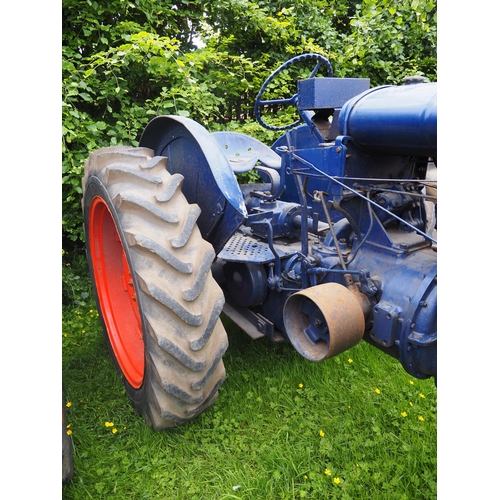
{"points": [[209, 180]]}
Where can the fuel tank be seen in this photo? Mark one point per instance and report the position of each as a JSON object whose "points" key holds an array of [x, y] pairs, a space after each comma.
{"points": [[393, 120]]}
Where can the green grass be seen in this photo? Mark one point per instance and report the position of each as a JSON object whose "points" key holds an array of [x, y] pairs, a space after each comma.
{"points": [[263, 439]]}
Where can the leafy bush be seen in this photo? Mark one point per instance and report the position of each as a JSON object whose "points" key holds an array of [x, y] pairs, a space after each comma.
{"points": [[76, 288], [125, 63]]}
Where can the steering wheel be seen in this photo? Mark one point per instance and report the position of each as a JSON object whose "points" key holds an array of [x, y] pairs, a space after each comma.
{"points": [[292, 101]]}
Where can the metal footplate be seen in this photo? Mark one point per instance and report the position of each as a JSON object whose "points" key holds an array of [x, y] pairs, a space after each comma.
{"points": [[245, 248]]}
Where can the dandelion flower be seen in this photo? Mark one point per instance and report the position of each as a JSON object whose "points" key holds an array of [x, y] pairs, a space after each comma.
{"points": [[411, 382], [83, 331], [377, 390], [114, 431], [321, 433], [404, 414], [421, 395], [301, 385], [350, 360], [109, 424], [69, 432], [421, 418], [336, 480], [68, 404], [305, 477], [328, 472]]}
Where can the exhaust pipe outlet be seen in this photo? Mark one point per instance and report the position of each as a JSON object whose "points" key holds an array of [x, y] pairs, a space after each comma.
{"points": [[324, 320]]}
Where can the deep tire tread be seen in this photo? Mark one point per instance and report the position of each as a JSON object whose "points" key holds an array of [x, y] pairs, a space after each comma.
{"points": [[157, 249], [180, 301], [174, 184], [211, 370], [146, 205], [118, 171], [169, 302], [156, 162], [187, 229], [194, 291], [200, 342]]}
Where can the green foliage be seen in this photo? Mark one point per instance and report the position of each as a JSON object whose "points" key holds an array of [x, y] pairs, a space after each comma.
{"points": [[125, 62], [109, 98], [76, 287], [390, 40], [90, 27], [268, 30]]}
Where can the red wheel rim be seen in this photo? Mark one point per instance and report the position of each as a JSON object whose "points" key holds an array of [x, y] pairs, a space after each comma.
{"points": [[116, 292]]}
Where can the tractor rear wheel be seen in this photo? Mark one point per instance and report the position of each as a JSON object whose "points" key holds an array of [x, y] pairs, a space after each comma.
{"points": [[151, 272]]}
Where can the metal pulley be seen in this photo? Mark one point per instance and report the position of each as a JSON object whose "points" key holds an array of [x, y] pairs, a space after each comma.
{"points": [[324, 320]]}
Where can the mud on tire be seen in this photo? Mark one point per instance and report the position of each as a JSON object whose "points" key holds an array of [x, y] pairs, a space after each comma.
{"points": [[151, 272]]}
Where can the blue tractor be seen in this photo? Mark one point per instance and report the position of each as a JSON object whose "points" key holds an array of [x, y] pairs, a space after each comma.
{"points": [[335, 245]]}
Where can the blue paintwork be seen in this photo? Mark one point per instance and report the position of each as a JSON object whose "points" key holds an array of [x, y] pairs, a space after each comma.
{"points": [[393, 120], [259, 102], [274, 239], [244, 152], [209, 179], [328, 93]]}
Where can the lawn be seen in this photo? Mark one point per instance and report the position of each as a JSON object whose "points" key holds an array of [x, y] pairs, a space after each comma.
{"points": [[355, 426]]}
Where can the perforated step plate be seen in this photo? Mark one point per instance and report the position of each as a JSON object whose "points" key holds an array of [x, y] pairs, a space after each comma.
{"points": [[245, 248]]}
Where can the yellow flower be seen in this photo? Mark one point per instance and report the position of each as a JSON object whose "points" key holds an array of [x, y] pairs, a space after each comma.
{"points": [[83, 331], [301, 385], [321, 433], [91, 310], [69, 432], [404, 414], [411, 382], [350, 360], [421, 395], [68, 426], [68, 404], [305, 477], [411, 404], [109, 424], [336, 480], [421, 418], [114, 431], [328, 472], [377, 390]]}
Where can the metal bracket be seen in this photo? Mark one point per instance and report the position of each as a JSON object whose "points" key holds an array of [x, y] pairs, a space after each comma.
{"points": [[254, 324], [367, 285]]}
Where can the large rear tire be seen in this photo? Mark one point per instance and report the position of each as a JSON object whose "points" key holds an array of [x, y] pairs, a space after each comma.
{"points": [[151, 272]]}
